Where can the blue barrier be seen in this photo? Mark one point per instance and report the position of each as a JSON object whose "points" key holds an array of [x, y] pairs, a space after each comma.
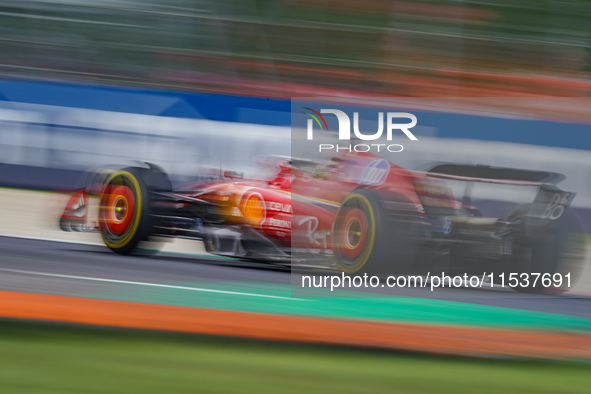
{"points": [[276, 112], [149, 101]]}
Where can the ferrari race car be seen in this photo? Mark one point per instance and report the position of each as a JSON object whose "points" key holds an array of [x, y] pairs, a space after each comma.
{"points": [[357, 213]]}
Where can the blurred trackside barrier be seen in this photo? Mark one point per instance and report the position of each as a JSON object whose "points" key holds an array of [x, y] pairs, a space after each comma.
{"points": [[52, 132]]}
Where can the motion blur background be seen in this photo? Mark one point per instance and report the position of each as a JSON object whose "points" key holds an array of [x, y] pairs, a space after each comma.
{"points": [[303, 47], [91, 83]]}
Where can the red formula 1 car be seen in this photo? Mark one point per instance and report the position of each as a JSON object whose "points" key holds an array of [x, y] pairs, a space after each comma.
{"points": [[356, 213]]}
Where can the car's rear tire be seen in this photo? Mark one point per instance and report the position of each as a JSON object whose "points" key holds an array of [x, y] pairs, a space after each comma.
{"points": [[367, 240], [547, 247]]}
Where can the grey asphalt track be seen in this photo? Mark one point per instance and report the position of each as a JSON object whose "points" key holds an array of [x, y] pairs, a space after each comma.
{"points": [[47, 267]]}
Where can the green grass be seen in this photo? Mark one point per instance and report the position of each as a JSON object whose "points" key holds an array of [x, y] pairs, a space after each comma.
{"points": [[46, 358]]}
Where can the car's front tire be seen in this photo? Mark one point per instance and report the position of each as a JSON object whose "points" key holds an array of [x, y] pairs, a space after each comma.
{"points": [[124, 218]]}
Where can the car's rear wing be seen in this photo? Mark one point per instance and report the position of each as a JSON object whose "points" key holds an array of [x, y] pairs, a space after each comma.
{"points": [[499, 175], [550, 202]]}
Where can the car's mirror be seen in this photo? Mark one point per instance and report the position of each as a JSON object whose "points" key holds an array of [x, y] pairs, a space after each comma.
{"points": [[233, 174]]}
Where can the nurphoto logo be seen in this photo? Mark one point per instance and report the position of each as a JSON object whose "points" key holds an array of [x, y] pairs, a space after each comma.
{"points": [[345, 130]]}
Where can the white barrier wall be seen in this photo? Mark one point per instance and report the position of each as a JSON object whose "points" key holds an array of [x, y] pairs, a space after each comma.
{"points": [[74, 138]]}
